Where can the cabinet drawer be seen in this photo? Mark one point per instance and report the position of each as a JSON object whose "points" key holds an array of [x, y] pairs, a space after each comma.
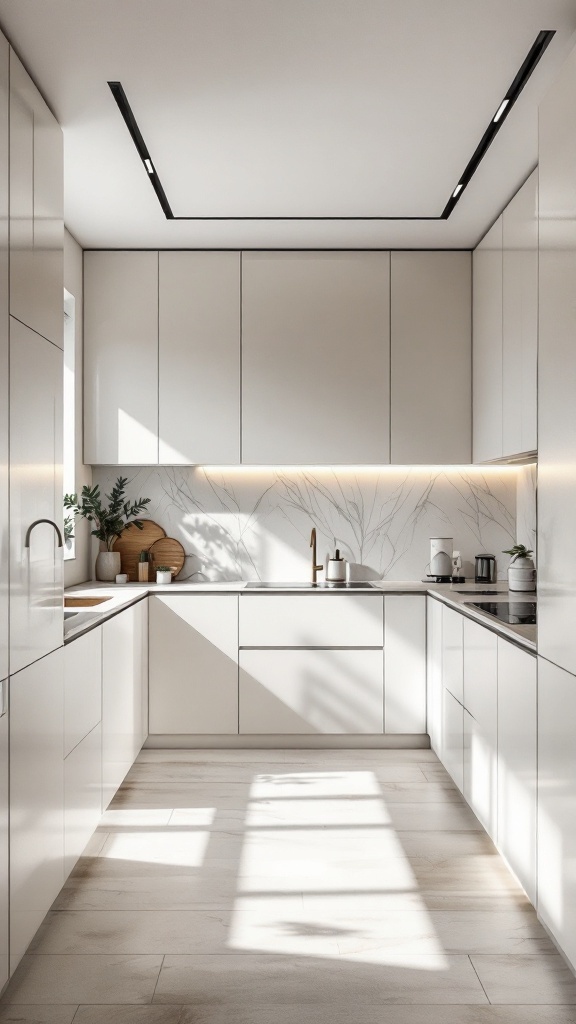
{"points": [[302, 692], [311, 620], [82, 687], [82, 796]]}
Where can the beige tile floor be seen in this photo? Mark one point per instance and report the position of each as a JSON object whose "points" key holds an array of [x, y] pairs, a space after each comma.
{"points": [[287, 887]]}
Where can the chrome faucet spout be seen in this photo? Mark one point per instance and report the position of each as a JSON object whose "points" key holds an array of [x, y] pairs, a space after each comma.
{"points": [[315, 568]]}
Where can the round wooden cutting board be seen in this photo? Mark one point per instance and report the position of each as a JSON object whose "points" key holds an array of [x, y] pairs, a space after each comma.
{"points": [[167, 551], [132, 541]]}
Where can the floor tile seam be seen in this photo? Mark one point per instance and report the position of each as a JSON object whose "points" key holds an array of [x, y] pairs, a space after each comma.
{"points": [[479, 979], [157, 978]]}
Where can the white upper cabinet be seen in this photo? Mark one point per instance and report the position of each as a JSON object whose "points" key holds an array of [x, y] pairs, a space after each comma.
{"points": [[4, 348], [36, 208], [315, 358], [487, 347], [520, 320], [557, 372], [121, 358], [199, 358], [36, 572], [431, 358]]}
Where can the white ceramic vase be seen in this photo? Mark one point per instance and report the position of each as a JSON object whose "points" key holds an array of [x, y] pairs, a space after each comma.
{"points": [[521, 575], [107, 566], [163, 577]]}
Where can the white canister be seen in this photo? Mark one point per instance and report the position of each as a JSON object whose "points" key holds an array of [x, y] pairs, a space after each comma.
{"points": [[163, 576], [336, 569]]}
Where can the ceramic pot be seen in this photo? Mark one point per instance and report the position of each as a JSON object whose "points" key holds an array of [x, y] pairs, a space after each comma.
{"points": [[163, 577], [522, 575], [107, 566]]}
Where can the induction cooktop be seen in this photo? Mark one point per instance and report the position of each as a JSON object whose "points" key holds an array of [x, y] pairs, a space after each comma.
{"points": [[514, 613]]}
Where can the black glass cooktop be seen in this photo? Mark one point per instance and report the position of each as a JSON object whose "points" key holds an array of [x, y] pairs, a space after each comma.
{"points": [[514, 613]]}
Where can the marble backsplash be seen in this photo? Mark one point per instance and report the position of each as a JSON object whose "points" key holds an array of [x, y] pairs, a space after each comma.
{"points": [[243, 523]]}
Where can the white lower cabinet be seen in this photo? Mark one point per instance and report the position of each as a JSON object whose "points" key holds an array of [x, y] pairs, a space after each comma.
{"points": [[405, 664], [481, 723], [453, 738], [434, 612], [311, 620], [194, 664], [82, 687], [557, 804], [82, 795], [124, 688], [311, 691], [517, 762], [453, 652], [4, 839], [36, 797]]}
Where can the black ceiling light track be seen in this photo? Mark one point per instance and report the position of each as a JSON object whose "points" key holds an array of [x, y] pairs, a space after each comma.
{"points": [[541, 43], [535, 54]]}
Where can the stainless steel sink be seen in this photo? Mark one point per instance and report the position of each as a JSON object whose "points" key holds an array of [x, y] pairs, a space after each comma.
{"points": [[360, 585]]}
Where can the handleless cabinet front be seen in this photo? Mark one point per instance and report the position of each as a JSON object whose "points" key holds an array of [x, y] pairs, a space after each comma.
{"points": [[487, 346], [36, 572], [311, 620], [315, 343], [199, 358], [481, 723], [4, 358], [121, 358]]}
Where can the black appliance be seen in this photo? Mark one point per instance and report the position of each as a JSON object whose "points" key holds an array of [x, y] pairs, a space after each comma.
{"points": [[513, 613], [484, 569]]}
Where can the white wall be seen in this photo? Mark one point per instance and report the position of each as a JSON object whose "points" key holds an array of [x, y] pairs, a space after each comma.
{"points": [[78, 569]]}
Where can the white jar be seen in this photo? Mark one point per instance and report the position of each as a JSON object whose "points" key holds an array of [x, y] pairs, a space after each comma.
{"points": [[163, 577], [521, 575]]}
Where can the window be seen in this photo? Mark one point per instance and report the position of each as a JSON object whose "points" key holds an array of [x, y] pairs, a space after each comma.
{"points": [[69, 467]]}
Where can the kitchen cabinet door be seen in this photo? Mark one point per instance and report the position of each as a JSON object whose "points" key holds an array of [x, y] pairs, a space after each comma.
{"points": [[82, 687], [315, 358], [431, 354], [311, 620], [36, 797], [36, 209], [4, 837], [434, 674], [36, 573], [82, 796], [294, 692], [487, 346], [557, 372], [121, 358], [4, 359], [557, 805], [453, 652], [520, 320], [517, 755], [481, 723], [453, 738], [194, 664], [405, 664], [123, 689], [199, 358]]}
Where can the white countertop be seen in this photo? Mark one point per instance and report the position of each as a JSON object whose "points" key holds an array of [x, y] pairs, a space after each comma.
{"points": [[459, 596]]}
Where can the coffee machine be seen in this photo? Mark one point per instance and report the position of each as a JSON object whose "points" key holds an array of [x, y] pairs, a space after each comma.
{"points": [[484, 569]]}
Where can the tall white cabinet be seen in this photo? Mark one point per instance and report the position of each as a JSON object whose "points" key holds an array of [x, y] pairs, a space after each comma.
{"points": [[430, 358], [487, 347], [121, 358], [36, 571], [199, 358], [315, 342], [4, 360], [520, 319]]}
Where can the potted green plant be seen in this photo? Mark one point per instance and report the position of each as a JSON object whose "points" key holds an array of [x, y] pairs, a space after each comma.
{"points": [[163, 574], [110, 520], [521, 570]]}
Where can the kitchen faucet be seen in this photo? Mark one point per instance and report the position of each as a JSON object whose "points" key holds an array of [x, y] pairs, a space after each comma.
{"points": [[37, 523], [315, 568]]}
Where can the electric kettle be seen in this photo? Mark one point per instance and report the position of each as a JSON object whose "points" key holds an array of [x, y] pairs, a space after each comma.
{"points": [[484, 569]]}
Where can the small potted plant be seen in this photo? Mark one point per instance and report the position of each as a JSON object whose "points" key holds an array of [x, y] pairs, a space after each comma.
{"points": [[521, 571], [110, 520], [163, 574]]}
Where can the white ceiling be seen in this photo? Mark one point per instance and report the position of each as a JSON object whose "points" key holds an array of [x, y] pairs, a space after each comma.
{"points": [[288, 108]]}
